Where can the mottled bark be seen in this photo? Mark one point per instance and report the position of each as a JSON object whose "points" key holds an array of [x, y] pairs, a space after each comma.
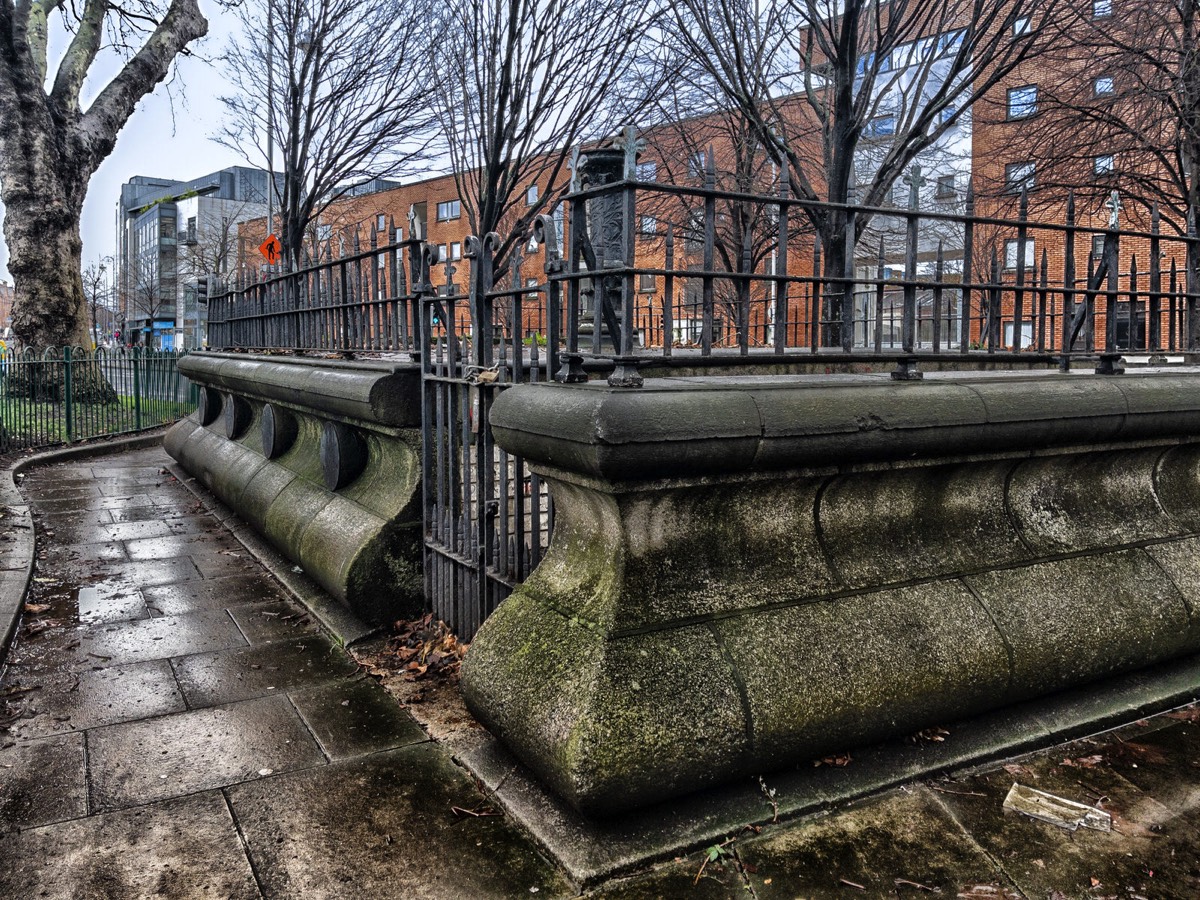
{"points": [[49, 149]]}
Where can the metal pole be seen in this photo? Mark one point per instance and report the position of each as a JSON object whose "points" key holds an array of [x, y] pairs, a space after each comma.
{"points": [[270, 113]]}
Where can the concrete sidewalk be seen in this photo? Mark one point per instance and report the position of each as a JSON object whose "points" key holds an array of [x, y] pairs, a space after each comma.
{"points": [[173, 724]]}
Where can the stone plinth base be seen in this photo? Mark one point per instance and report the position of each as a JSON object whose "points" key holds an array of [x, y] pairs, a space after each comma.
{"points": [[744, 577]]}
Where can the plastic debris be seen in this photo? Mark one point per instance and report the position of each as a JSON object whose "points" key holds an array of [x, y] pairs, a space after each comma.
{"points": [[1056, 810]]}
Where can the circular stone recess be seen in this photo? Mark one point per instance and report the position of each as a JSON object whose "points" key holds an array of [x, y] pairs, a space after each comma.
{"points": [[343, 454], [278, 431], [237, 416], [209, 405]]}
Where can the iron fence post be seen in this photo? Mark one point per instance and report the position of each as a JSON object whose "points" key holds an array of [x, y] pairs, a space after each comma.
{"points": [[68, 403], [135, 356]]}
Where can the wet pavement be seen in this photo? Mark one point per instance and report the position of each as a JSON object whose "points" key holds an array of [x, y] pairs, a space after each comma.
{"points": [[177, 726], [174, 724]]}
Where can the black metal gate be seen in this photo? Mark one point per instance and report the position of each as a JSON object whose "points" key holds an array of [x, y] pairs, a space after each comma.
{"points": [[487, 518]]}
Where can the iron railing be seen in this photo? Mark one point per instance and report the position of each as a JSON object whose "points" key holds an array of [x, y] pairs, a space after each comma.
{"points": [[900, 283], [70, 394]]}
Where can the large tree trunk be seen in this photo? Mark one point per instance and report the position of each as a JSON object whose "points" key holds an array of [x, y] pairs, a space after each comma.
{"points": [[44, 259], [50, 147]]}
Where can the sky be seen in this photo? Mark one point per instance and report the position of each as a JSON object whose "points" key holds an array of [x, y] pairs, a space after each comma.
{"points": [[168, 136]]}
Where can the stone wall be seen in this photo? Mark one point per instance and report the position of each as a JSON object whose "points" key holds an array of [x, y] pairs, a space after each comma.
{"points": [[323, 459], [747, 574]]}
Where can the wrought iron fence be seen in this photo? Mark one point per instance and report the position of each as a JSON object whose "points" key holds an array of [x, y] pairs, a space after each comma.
{"points": [[71, 394], [642, 276]]}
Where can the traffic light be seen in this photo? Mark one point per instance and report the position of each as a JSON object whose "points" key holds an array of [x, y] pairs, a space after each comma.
{"points": [[202, 290]]}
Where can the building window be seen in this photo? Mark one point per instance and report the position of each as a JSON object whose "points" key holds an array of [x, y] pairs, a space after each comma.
{"points": [[1101, 8], [646, 283], [381, 222], [1021, 26], [324, 232], [1018, 177], [1097, 245], [945, 187], [647, 226], [647, 171], [881, 126], [697, 163], [449, 209], [1010, 254], [531, 285], [1103, 86], [531, 195], [1022, 101], [1103, 164], [443, 253], [456, 250]]}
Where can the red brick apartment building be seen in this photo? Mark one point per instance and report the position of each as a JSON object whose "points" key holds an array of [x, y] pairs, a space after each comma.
{"points": [[1031, 131]]}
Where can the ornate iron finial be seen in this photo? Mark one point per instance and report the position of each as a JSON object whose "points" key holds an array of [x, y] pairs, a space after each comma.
{"points": [[412, 223], [576, 175], [915, 181], [1114, 207], [629, 141]]}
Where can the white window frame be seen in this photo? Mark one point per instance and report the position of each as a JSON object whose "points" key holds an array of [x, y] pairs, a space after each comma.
{"points": [[1023, 109]]}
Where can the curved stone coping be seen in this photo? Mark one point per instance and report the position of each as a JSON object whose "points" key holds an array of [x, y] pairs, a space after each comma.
{"points": [[373, 392], [721, 427]]}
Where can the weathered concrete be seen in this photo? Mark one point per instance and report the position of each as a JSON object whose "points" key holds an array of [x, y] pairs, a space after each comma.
{"points": [[745, 574], [323, 459]]}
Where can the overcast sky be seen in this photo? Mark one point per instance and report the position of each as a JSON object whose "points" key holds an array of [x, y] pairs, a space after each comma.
{"points": [[158, 141]]}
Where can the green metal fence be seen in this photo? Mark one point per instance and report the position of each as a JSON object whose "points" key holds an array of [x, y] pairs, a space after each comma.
{"points": [[69, 394]]}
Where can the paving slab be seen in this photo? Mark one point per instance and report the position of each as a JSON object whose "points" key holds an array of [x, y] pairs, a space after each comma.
{"points": [[213, 678], [152, 759], [147, 512], [170, 545], [879, 847], [212, 593], [160, 638], [97, 607], [385, 826], [106, 551], [76, 701], [217, 564], [354, 718], [149, 573], [41, 782], [276, 620], [182, 850], [1145, 853], [719, 880]]}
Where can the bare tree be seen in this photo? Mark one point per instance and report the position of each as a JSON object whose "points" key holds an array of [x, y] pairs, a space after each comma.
{"points": [[518, 84], [349, 100], [50, 146], [1118, 107], [815, 77], [97, 297], [723, 146]]}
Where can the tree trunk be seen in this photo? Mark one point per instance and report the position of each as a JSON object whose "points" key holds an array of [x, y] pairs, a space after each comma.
{"points": [[50, 309]]}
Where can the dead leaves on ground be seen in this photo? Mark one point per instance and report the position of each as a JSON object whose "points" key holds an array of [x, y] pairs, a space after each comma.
{"points": [[421, 648]]}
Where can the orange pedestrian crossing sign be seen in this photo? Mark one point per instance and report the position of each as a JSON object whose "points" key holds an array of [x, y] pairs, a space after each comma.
{"points": [[271, 248]]}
